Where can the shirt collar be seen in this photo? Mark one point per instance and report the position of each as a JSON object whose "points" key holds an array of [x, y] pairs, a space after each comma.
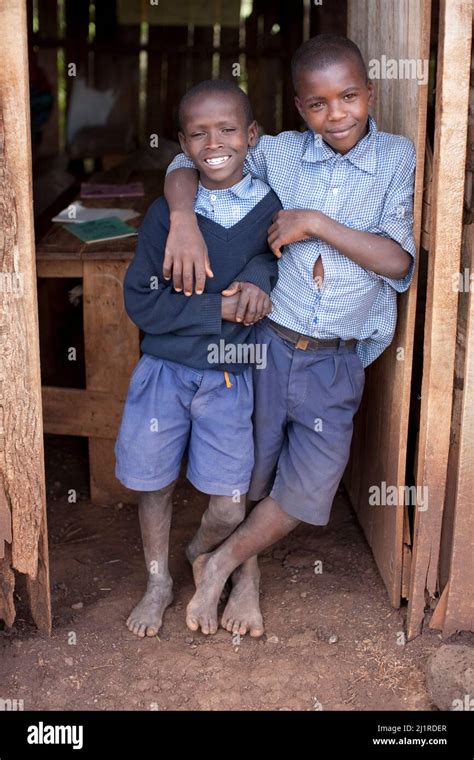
{"points": [[245, 188], [363, 154]]}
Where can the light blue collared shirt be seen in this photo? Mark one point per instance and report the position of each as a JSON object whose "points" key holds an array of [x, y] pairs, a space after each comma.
{"points": [[230, 205], [370, 188]]}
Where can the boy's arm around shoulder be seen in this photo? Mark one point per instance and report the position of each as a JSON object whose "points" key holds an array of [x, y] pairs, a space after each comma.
{"points": [[150, 301], [262, 269]]}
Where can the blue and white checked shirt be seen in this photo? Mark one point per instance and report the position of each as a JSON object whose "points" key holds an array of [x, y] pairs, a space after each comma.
{"points": [[370, 188], [229, 206]]}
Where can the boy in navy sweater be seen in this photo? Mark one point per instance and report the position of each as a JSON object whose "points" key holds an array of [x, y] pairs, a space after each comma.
{"points": [[193, 385]]}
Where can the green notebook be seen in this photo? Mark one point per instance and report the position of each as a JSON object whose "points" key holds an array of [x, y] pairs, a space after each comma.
{"points": [[101, 230]]}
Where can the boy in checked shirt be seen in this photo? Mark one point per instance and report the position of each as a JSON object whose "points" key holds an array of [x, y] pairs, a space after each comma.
{"points": [[345, 245]]}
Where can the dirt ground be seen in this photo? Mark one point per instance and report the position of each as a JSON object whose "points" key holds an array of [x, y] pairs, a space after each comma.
{"points": [[332, 639]]}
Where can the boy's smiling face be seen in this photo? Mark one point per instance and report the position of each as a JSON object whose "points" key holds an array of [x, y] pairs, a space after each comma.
{"points": [[334, 102], [216, 137]]}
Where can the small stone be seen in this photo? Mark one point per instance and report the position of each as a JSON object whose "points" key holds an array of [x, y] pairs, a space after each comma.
{"points": [[273, 639], [304, 594], [188, 640], [333, 639], [77, 606], [69, 661]]}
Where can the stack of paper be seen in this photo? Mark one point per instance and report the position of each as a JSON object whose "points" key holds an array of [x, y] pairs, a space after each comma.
{"points": [[101, 230], [76, 213]]}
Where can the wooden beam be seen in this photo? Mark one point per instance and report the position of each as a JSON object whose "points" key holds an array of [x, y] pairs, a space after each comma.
{"points": [[58, 268], [77, 411], [449, 156], [21, 427]]}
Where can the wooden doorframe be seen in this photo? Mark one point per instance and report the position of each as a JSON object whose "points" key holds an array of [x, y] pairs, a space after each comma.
{"points": [[398, 29], [23, 524]]}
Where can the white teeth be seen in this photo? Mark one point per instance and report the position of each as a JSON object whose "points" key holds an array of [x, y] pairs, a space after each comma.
{"points": [[217, 160]]}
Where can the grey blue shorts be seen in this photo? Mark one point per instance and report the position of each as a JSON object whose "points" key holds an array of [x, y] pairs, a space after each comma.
{"points": [[305, 402], [170, 407]]}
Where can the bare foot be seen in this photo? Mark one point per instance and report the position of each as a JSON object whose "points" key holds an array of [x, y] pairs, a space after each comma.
{"points": [[191, 555], [202, 609], [146, 618], [242, 612]]}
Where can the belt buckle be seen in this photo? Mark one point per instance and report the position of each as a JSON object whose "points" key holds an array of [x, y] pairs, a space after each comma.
{"points": [[302, 343]]}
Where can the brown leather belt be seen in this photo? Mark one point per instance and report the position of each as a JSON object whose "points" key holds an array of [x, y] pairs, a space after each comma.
{"points": [[305, 342]]}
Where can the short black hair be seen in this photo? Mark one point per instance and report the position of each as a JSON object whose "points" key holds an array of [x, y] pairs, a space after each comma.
{"points": [[325, 50], [219, 86]]}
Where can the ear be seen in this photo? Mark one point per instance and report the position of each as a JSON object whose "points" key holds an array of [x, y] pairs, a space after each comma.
{"points": [[182, 142], [299, 106], [252, 134], [371, 91]]}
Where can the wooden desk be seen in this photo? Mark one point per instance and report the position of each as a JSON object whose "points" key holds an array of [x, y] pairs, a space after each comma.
{"points": [[111, 340]]}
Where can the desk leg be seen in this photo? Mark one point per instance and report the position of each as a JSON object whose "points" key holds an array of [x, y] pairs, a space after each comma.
{"points": [[111, 351]]}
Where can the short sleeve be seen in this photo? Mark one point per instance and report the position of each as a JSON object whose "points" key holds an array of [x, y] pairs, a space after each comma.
{"points": [[396, 221]]}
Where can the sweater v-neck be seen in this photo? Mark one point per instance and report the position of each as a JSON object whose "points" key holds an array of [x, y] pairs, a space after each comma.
{"points": [[228, 233]]}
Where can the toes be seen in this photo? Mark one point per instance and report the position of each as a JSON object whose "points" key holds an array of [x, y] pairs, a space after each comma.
{"points": [[192, 622], [152, 630], [257, 631], [141, 630], [213, 626], [243, 628]]}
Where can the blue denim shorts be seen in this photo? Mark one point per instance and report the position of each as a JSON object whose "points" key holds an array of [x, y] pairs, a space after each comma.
{"points": [[305, 402], [170, 407]]}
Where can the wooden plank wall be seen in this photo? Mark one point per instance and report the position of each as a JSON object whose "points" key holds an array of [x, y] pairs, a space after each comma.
{"points": [[176, 58], [449, 156], [398, 29]]}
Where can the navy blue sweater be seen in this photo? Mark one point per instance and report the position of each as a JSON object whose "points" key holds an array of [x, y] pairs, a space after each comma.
{"points": [[181, 328]]}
